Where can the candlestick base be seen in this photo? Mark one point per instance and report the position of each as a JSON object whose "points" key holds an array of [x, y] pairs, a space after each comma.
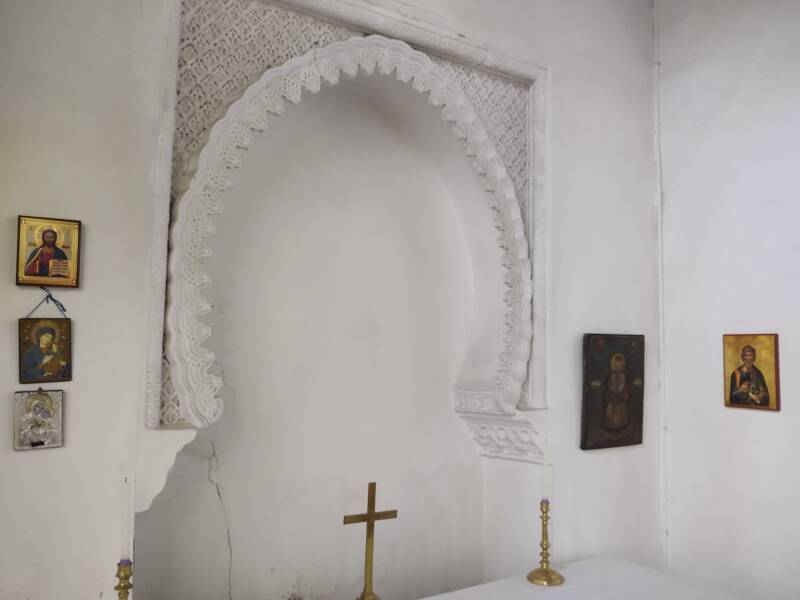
{"points": [[546, 576], [124, 574], [368, 596]]}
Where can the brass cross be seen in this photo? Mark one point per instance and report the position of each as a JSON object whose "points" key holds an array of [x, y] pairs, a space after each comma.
{"points": [[369, 518]]}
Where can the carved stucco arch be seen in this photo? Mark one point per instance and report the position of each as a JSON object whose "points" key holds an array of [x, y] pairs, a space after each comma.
{"points": [[197, 387]]}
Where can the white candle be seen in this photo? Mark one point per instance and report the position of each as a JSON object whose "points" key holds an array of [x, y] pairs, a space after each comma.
{"points": [[547, 463], [125, 538], [547, 483]]}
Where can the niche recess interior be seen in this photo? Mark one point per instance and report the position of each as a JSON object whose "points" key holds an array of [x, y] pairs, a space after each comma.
{"points": [[234, 65]]}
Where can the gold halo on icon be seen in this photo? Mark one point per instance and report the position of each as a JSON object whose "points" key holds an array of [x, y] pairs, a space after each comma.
{"points": [[37, 233], [41, 324], [39, 397], [615, 357]]}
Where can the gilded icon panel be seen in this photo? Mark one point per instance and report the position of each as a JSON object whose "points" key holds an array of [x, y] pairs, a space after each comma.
{"points": [[752, 374], [48, 252]]}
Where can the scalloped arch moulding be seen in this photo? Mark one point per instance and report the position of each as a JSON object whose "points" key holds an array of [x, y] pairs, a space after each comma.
{"points": [[490, 409]]}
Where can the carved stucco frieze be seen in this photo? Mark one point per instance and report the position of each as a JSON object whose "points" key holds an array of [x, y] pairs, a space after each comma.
{"points": [[503, 106], [480, 402], [511, 438], [170, 414], [226, 45]]}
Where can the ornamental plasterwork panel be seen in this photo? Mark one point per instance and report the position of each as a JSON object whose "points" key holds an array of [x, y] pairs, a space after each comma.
{"points": [[514, 438], [170, 414], [226, 45], [503, 106]]}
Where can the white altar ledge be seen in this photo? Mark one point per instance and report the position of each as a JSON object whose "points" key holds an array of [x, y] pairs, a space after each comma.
{"points": [[594, 579]]}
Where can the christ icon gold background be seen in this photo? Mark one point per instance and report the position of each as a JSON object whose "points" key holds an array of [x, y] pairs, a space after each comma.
{"points": [[48, 252]]}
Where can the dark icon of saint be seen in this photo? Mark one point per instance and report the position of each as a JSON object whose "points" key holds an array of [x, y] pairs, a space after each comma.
{"points": [[616, 395], [748, 385], [48, 260], [613, 390]]}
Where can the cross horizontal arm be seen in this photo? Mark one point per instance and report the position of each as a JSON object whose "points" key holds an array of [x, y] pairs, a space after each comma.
{"points": [[366, 518], [385, 514], [351, 519]]}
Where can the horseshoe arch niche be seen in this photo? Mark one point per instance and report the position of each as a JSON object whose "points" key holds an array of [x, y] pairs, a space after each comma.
{"points": [[489, 391]]}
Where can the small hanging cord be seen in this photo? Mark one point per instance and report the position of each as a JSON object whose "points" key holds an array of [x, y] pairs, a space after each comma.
{"points": [[48, 297]]}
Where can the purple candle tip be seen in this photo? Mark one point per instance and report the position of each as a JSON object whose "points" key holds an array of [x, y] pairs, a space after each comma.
{"points": [[125, 562], [546, 500]]}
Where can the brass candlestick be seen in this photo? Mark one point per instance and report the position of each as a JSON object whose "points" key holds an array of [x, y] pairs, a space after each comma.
{"points": [[124, 574], [544, 575]]}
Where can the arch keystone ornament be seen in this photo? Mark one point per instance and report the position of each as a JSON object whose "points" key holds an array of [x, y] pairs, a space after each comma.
{"points": [[482, 394]]}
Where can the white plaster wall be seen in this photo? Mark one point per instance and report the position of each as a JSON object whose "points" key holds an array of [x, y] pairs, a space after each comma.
{"points": [[342, 300], [604, 271], [730, 92], [78, 85]]}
